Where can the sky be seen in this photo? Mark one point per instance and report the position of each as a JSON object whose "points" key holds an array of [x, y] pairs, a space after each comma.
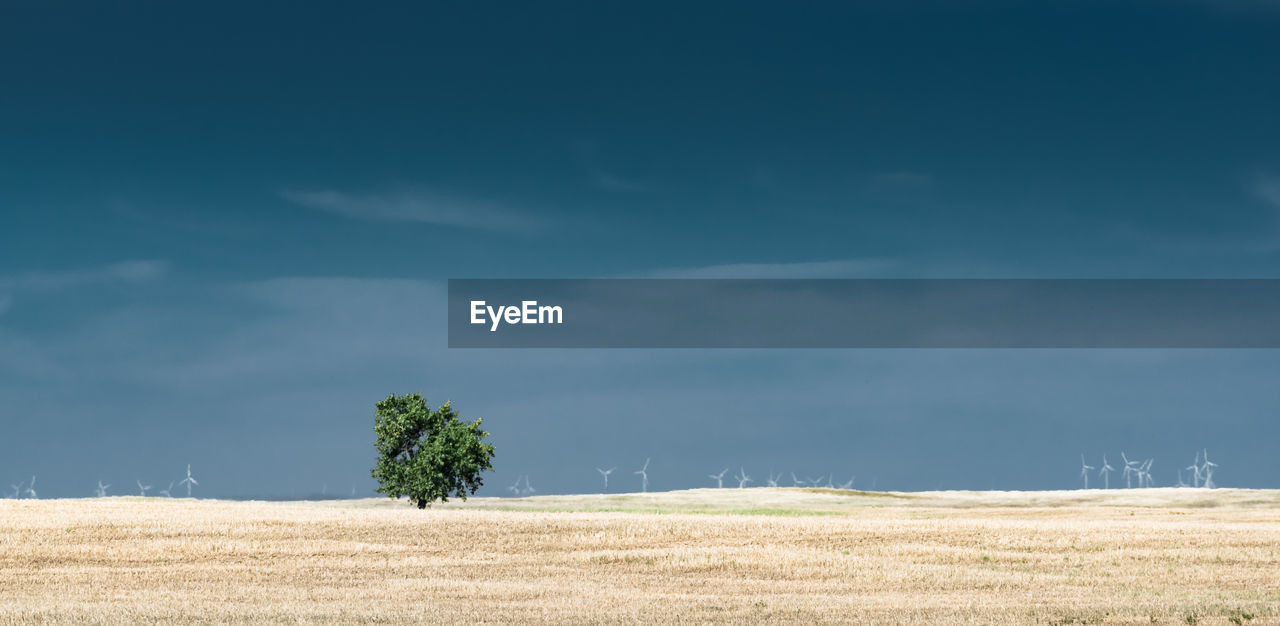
{"points": [[225, 232]]}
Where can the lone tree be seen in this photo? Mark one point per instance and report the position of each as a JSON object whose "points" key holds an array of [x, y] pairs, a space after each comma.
{"points": [[425, 454]]}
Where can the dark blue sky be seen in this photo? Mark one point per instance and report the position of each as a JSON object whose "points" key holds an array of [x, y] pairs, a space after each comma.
{"points": [[223, 233]]}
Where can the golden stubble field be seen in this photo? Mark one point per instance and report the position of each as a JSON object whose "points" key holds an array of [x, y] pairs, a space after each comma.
{"points": [[757, 555]]}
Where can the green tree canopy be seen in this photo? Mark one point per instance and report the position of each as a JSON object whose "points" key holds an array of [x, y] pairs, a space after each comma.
{"points": [[428, 454]]}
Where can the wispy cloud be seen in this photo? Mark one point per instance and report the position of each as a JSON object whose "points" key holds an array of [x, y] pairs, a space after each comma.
{"points": [[1268, 188], [905, 179], [1260, 238], [123, 272], [846, 268], [604, 177], [46, 281], [413, 206], [613, 182]]}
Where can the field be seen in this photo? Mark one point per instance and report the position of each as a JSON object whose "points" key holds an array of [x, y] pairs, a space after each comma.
{"points": [[757, 555]]}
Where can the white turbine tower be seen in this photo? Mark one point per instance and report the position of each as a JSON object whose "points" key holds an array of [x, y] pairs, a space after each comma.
{"points": [[644, 476], [165, 492], [849, 484], [1208, 470], [101, 490], [31, 489], [742, 477], [188, 481], [773, 481], [1144, 474], [1105, 473], [528, 489], [795, 482], [515, 489], [1085, 468], [142, 488], [605, 475], [719, 478], [17, 490]]}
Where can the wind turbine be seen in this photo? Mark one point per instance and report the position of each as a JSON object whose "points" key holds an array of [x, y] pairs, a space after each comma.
{"points": [[772, 482], [142, 488], [605, 475], [188, 481], [1144, 474], [165, 492], [1130, 468], [1085, 468], [742, 477], [515, 489], [719, 478], [1208, 470], [528, 489], [17, 490], [101, 490], [1181, 483], [849, 484], [31, 489], [1194, 468], [1105, 473], [795, 482], [644, 475], [814, 482]]}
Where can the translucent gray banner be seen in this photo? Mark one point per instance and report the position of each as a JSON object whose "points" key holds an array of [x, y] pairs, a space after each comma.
{"points": [[864, 313]]}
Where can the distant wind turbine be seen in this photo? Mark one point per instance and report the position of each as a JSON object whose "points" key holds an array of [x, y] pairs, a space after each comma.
{"points": [[773, 481], [17, 490], [101, 490], [719, 478], [849, 484], [188, 481], [742, 478], [1208, 470], [528, 489], [165, 492], [1194, 468], [31, 489], [1105, 473], [142, 489], [795, 482], [515, 489], [605, 475], [1130, 468], [1085, 468], [644, 475]]}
